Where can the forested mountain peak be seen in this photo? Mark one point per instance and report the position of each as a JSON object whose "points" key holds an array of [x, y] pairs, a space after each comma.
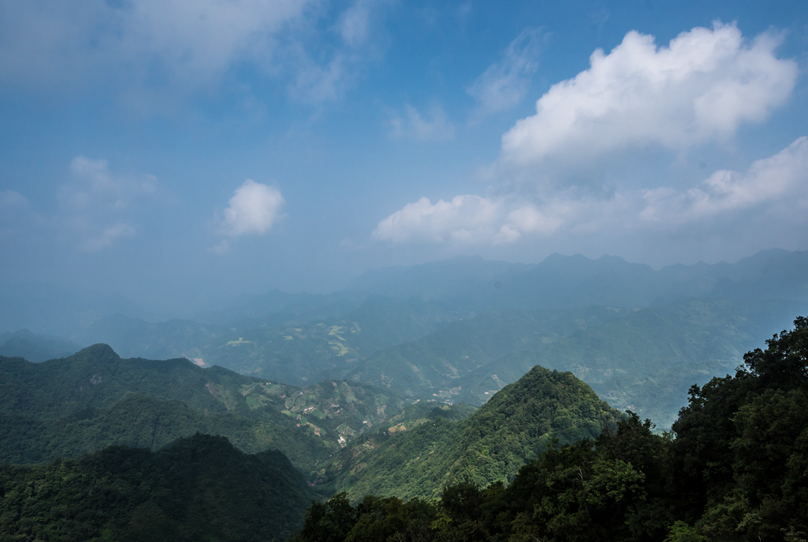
{"points": [[96, 353], [490, 445]]}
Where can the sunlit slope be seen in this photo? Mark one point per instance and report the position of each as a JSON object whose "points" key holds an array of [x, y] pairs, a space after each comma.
{"points": [[90, 392], [199, 488], [488, 446]]}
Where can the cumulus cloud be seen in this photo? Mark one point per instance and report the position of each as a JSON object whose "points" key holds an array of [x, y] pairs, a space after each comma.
{"points": [[576, 174], [434, 126], [464, 220], [505, 84], [253, 210], [98, 205], [783, 176], [699, 88], [779, 182]]}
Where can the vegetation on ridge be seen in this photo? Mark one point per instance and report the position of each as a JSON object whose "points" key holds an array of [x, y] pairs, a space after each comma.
{"points": [[67, 407], [490, 445]]}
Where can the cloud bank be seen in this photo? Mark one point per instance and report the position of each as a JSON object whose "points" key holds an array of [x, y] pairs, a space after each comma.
{"points": [[781, 178], [776, 187], [699, 88]]}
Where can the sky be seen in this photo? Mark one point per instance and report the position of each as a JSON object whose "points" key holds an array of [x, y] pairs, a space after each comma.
{"points": [[175, 151]]}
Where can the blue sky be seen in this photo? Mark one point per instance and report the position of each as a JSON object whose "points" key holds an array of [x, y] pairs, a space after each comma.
{"points": [[178, 150]]}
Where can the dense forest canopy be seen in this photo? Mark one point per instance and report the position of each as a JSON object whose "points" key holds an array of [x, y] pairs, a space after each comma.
{"points": [[200, 488]]}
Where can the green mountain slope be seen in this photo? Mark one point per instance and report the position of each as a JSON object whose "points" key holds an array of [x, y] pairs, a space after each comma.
{"points": [[199, 488], [491, 445], [91, 393], [144, 422]]}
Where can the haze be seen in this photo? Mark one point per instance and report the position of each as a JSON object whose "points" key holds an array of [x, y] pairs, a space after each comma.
{"points": [[179, 153]]}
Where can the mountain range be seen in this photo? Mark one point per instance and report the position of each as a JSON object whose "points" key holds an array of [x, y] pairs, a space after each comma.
{"points": [[461, 329]]}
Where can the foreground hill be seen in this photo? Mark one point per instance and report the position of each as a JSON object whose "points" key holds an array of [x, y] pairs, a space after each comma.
{"points": [[200, 488], [491, 445], [79, 404]]}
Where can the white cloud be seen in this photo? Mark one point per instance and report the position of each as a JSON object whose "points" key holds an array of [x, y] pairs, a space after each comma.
{"points": [[784, 176], [154, 52], [505, 84], [97, 204], [699, 88], [772, 192], [192, 40], [587, 171], [253, 210], [465, 220], [432, 127]]}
